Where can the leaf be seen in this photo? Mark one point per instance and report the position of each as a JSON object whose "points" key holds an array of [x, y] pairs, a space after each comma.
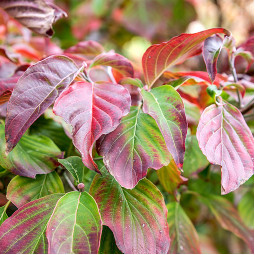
{"points": [[75, 166], [75, 225], [115, 61], [184, 237], [33, 155], [3, 215], [22, 190], [132, 81], [226, 140], [165, 105], [24, 231], [136, 217], [170, 177], [37, 15], [107, 243], [246, 208], [211, 52], [35, 91], [159, 57], [92, 110], [133, 147], [87, 48], [228, 218], [194, 159]]}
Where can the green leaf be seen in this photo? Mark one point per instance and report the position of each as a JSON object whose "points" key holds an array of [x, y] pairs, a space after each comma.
{"points": [[170, 177], [75, 225], [246, 208], [107, 243], [194, 159], [24, 231], [184, 238], [165, 105], [228, 217], [22, 190], [75, 166], [132, 81], [3, 215], [33, 155], [133, 147], [136, 217]]}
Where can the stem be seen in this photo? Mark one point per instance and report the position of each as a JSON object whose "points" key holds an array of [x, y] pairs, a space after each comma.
{"points": [[5, 208], [69, 182], [248, 107], [98, 158]]}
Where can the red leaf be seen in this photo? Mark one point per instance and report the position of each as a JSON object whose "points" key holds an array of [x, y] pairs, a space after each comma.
{"points": [[226, 140], [92, 110], [159, 57], [211, 52], [115, 61], [87, 48], [35, 91]]}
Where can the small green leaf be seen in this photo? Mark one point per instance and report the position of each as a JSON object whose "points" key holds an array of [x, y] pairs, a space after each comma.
{"points": [[184, 238], [22, 190], [132, 81], [33, 155], [3, 215], [75, 225]]}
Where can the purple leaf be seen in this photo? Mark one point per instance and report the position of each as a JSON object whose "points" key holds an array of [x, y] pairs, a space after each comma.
{"points": [[137, 217], [211, 51], [226, 140], [35, 91], [36, 15], [24, 231], [92, 110]]}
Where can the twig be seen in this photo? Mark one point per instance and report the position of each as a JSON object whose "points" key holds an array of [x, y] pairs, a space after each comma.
{"points": [[69, 182], [248, 107]]}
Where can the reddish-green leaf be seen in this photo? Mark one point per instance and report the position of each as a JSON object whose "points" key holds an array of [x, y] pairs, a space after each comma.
{"points": [[32, 155], [92, 110], [132, 81], [133, 147], [211, 52], [165, 105], [35, 91], [75, 225], [136, 217], [170, 177], [37, 15], [24, 231], [229, 219], [22, 190], [87, 48], [184, 238], [226, 140], [115, 61], [159, 57]]}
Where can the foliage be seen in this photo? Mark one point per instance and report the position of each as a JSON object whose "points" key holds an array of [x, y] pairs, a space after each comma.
{"points": [[83, 129]]}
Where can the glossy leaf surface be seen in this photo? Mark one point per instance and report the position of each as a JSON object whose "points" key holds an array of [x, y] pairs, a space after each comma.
{"points": [[229, 219], [75, 225], [159, 57], [115, 61], [22, 190], [165, 105], [133, 147], [136, 217], [35, 91], [32, 155], [38, 15], [27, 226], [170, 177], [92, 110], [226, 140], [211, 50], [183, 234]]}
